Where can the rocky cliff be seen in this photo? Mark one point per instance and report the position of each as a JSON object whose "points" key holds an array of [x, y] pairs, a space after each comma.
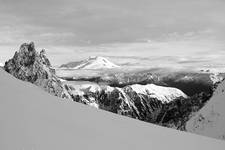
{"points": [[143, 102], [29, 65]]}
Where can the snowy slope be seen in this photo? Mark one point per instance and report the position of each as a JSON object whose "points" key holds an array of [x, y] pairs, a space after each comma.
{"points": [[164, 94], [210, 120], [94, 62], [1, 65], [31, 119]]}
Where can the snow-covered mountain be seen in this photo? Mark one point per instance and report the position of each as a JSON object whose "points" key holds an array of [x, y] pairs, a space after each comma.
{"points": [[136, 101], [1, 65], [94, 62], [152, 103], [33, 119], [210, 120], [162, 94]]}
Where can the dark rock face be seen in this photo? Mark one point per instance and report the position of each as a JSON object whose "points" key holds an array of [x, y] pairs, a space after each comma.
{"points": [[145, 103], [29, 65], [117, 102]]}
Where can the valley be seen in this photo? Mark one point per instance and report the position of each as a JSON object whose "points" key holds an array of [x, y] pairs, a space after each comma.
{"points": [[160, 96]]}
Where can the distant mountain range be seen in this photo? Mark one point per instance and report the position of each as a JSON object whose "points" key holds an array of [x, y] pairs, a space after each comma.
{"points": [[171, 104], [33, 119], [143, 102], [94, 62]]}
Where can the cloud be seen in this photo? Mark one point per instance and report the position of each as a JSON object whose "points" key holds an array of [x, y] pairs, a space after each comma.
{"points": [[106, 21], [145, 29]]}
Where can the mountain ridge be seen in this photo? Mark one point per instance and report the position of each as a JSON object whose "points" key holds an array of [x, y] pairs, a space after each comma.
{"points": [[29, 65], [164, 106], [93, 62], [33, 119], [32, 66]]}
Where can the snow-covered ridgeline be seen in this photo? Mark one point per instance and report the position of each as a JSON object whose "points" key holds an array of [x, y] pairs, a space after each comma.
{"points": [[163, 94], [94, 62]]}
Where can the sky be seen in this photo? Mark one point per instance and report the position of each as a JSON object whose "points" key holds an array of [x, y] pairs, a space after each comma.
{"points": [[125, 31]]}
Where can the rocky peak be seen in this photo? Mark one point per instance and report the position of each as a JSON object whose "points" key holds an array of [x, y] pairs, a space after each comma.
{"points": [[29, 65], [26, 54], [44, 58]]}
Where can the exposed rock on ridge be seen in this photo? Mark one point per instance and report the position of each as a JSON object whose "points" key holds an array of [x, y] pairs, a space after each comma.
{"points": [[143, 102], [29, 65], [156, 104]]}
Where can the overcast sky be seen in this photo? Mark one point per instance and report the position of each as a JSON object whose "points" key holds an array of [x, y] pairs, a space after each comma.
{"points": [[75, 29]]}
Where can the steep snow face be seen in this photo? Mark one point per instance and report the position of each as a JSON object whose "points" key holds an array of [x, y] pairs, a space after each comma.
{"points": [[210, 120], [93, 62], [164, 94]]}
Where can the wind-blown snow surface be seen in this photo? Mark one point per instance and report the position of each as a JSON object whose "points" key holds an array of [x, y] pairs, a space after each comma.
{"points": [[31, 119], [94, 62], [210, 120]]}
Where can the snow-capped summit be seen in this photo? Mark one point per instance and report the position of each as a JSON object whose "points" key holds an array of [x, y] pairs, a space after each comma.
{"points": [[93, 62], [164, 94]]}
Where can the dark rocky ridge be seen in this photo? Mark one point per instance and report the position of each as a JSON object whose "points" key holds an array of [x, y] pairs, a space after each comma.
{"points": [[29, 65]]}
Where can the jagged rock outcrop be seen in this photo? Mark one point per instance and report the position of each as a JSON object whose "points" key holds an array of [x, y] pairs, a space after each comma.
{"points": [[210, 120], [29, 65]]}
